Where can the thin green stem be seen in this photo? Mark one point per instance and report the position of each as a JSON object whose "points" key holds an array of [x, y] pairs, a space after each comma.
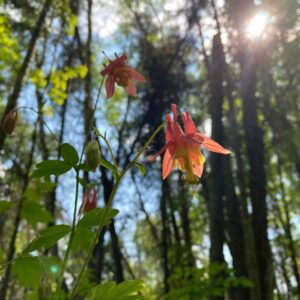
{"points": [[107, 208], [110, 151], [25, 107], [68, 251]]}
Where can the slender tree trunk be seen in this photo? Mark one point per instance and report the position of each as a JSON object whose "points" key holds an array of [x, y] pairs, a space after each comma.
{"points": [[287, 227], [249, 60], [185, 223], [13, 98], [17, 219]]}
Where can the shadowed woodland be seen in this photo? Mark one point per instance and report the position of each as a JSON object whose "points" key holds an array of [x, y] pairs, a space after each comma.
{"points": [[84, 210]]}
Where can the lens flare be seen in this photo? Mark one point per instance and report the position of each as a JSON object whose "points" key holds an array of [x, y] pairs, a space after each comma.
{"points": [[257, 25]]}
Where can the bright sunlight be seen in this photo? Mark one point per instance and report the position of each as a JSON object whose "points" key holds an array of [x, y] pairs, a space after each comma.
{"points": [[257, 25]]}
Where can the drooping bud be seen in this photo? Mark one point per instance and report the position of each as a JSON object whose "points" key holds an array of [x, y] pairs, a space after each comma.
{"points": [[93, 155], [10, 121]]}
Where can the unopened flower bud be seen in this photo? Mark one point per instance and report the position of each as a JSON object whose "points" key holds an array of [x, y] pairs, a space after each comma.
{"points": [[93, 155], [10, 121]]}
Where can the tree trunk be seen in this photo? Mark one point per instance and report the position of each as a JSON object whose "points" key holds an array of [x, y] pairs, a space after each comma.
{"points": [[249, 60], [17, 219], [13, 98]]}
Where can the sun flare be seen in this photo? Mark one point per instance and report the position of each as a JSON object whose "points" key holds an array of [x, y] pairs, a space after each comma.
{"points": [[257, 25]]}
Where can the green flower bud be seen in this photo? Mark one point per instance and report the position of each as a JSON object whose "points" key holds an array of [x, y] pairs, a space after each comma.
{"points": [[10, 121], [93, 155]]}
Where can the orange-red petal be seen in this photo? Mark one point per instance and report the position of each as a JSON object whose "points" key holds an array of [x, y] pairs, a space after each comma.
{"points": [[167, 164], [136, 75], [110, 86], [213, 146], [198, 170], [130, 88], [189, 125]]}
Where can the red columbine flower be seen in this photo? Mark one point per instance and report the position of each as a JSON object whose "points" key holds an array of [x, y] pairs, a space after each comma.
{"points": [[89, 201], [182, 148], [118, 72]]}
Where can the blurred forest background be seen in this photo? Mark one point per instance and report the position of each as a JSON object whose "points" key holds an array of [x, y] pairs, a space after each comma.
{"points": [[235, 66]]}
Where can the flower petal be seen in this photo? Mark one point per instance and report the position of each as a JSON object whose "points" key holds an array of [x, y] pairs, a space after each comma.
{"points": [[110, 87], [174, 110], [213, 146], [136, 75], [167, 164], [192, 139], [189, 124], [130, 88], [162, 150], [198, 170]]}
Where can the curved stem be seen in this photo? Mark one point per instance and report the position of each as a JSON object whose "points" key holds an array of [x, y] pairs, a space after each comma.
{"points": [[108, 206], [30, 108], [68, 251], [110, 151]]}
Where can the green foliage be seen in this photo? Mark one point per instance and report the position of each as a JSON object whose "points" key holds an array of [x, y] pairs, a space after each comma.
{"points": [[4, 205], [48, 237], [9, 50], [51, 167], [211, 281], [59, 80], [106, 164], [35, 213], [84, 230], [141, 168], [28, 271], [127, 290], [38, 78], [69, 154], [93, 217]]}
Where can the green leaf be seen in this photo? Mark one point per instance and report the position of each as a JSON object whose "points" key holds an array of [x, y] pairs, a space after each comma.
{"points": [[4, 205], [83, 239], [97, 132], [52, 266], [85, 233], [48, 237], [27, 270], [51, 167], [93, 217], [126, 290], [141, 168], [84, 167], [69, 154], [106, 164], [34, 213]]}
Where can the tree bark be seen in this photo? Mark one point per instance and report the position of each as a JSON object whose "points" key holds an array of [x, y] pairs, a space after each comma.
{"points": [[249, 61], [13, 98]]}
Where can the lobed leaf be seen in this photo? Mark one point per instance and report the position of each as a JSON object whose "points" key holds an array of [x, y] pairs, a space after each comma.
{"points": [[126, 290], [69, 154], [48, 237]]}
